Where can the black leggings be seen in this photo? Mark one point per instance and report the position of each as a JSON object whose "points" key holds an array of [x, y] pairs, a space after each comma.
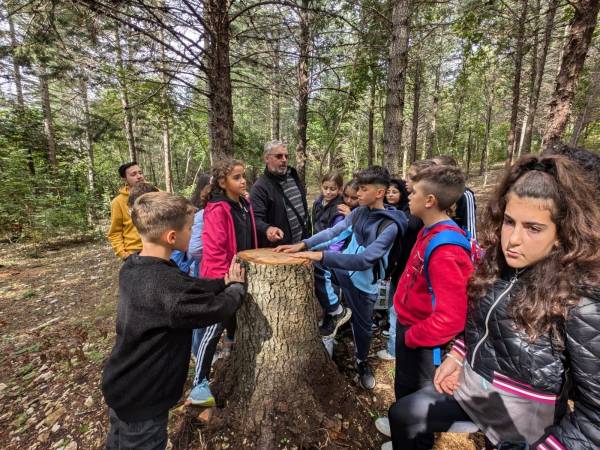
{"points": [[419, 410]]}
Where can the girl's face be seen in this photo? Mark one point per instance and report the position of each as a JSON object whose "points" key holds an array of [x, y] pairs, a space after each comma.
{"points": [[234, 183], [528, 232], [351, 197], [393, 195], [330, 190]]}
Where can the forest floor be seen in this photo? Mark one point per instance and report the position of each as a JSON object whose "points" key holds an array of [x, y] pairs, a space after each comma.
{"points": [[57, 315]]}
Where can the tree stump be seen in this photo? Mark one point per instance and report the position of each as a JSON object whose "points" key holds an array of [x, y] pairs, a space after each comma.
{"points": [[278, 356]]}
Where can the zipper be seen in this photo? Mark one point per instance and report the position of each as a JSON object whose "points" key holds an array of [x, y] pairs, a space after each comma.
{"points": [[504, 293]]}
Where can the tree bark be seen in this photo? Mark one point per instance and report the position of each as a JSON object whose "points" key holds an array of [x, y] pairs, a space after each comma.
{"points": [[469, 151], [540, 66], [166, 132], [275, 99], [48, 121], [516, 90], [415, 118], [278, 355], [434, 110], [486, 138], [124, 93], [303, 87], [19, 87], [583, 118], [371, 124], [575, 51], [220, 106], [394, 105], [89, 146]]}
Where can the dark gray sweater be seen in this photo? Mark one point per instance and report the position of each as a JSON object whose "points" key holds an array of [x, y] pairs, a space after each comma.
{"points": [[158, 307]]}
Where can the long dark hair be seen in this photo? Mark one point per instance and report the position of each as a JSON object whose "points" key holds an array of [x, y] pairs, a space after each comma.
{"points": [[401, 186], [554, 285], [201, 183]]}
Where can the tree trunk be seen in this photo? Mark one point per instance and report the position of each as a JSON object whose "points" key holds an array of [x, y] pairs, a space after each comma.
{"points": [[468, 152], [275, 100], [47, 111], [576, 47], [89, 146], [486, 138], [220, 106], [165, 116], [19, 87], [516, 90], [394, 105], [278, 358], [303, 81], [540, 66], [371, 114], [583, 118], [124, 92], [434, 109], [415, 119]]}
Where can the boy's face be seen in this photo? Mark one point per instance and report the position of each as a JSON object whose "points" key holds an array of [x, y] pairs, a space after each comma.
{"points": [[368, 194], [180, 239], [419, 200]]}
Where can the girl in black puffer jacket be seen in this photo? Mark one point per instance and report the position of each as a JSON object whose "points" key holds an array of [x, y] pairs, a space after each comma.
{"points": [[532, 338]]}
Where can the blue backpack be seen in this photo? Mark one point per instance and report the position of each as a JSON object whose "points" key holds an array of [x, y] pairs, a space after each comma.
{"points": [[448, 236]]}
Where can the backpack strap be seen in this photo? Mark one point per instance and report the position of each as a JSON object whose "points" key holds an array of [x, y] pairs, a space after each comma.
{"points": [[449, 236]]}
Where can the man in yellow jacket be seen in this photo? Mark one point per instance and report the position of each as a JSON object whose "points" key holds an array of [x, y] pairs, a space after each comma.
{"points": [[123, 235]]}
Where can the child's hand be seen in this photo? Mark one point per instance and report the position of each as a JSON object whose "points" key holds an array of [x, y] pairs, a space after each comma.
{"points": [[446, 379], [274, 234], [344, 209], [313, 256], [292, 248], [236, 274]]}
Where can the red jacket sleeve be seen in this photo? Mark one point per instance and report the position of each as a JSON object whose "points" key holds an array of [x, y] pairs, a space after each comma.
{"points": [[449, 270], [215, 261]]}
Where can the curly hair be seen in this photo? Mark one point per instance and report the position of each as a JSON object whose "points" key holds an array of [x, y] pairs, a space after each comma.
{"points": [[220, 170], [551, 287]]}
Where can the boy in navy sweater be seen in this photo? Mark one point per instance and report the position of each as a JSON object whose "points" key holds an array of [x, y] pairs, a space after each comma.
{"points": [[373, 229], [159, 305]]}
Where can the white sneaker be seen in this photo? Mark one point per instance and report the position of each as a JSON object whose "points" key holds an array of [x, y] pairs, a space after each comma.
{"points": [[387, 446], [383, 354], [383, 426]]}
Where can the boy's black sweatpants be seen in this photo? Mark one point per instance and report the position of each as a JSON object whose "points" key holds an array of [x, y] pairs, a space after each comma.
{"points": [[148, 434]]}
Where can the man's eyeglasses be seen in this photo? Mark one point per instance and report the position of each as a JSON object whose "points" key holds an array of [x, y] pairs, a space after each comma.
{"points": [[280, 155]]}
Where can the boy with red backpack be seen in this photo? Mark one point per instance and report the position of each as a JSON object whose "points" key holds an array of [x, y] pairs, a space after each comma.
{"points": [[431, 298]]}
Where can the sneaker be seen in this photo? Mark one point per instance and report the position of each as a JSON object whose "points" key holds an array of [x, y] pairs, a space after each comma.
{"points": [[331, 324], [386, 333], [387, 446], [201, 395], [374, 326], [383, 426], [383, 354], [365, 375]]}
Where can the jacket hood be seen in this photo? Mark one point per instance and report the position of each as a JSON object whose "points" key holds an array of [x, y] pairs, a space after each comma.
{"points": [[124, 191], [366, 218], [221, 197]]}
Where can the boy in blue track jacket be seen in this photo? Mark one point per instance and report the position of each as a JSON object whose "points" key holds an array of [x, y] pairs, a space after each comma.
{"points": [[373, 229]]}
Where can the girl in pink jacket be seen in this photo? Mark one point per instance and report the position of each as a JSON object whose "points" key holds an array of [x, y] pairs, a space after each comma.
{"points": [[229, 228]]}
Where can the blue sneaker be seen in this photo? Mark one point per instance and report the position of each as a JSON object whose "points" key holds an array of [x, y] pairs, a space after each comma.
{"points": [[201, 395]]}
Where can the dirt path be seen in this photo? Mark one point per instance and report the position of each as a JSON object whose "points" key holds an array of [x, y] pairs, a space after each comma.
{"points": [[57, 316]]}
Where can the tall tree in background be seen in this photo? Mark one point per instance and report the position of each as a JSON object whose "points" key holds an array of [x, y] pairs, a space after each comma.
{"points": [[124, 91], [538, 68], [516, 90], [396, 81], [303, 87], [412, 155], [581, 30]]}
